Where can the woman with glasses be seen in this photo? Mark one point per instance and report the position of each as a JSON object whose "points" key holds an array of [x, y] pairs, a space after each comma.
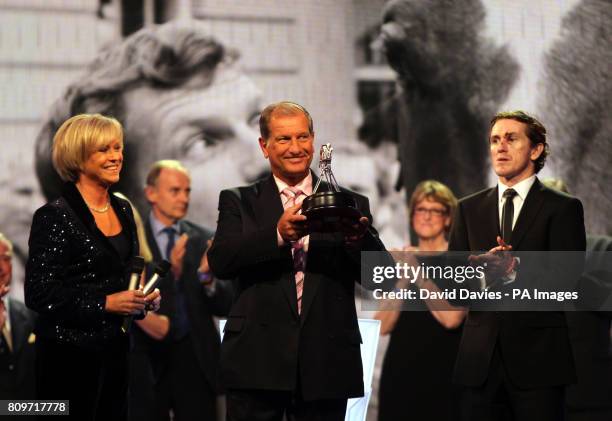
{"points": [[416, 375]]}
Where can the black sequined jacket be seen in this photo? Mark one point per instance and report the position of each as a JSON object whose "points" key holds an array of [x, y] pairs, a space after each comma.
{"points": [[71, 269]]}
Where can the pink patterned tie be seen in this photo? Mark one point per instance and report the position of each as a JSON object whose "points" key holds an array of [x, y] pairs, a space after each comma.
{"points": [[294, 196]]}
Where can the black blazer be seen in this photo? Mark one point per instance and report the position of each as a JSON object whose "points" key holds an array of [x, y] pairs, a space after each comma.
{"points": [[200, 307], [590, 334], [534, 345], [17, 379], [267, 345], [72, 267]]}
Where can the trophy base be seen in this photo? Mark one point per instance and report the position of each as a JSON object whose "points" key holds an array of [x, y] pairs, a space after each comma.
{"points": [[328, 211]]}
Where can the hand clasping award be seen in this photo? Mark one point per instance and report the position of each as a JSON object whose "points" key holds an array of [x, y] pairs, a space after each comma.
{"points": [[326, 210]]}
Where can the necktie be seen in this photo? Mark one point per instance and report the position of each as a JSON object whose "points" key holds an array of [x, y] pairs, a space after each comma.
{"points": [[294, 196], [170, 233], [508, 214], [5, 332]]}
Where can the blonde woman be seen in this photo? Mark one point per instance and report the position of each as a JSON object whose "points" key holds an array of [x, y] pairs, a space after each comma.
{"points": [[77, 274]]}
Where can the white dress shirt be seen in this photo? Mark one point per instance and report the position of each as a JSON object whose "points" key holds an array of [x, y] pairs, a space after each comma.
{"points": [[521, 188], [306, 187]]}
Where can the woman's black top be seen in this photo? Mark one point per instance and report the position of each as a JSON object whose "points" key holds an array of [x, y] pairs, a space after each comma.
{"points": [[73, 266], [122, 245], [416, 378]]}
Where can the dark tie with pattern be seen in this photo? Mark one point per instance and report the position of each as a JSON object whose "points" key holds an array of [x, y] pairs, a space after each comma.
{"points": [[181, 321], [169, 231], [508, 215]]}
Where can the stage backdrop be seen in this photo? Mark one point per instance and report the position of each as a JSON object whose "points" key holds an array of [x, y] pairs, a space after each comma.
{"points": [[401, 101]]}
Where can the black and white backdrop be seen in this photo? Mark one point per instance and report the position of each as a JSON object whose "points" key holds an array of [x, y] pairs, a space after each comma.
{"points": [[403, 90]]}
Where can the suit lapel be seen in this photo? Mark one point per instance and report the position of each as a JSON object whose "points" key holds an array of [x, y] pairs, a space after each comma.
{"points": [[531, 207], [190, 250], [311, 282], [79, 208], [157, 257], [489, 212], [18, 325], [268, 208]]}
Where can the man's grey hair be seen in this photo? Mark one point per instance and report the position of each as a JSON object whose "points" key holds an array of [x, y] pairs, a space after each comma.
{"points": [[285, 108], [168, 164]]}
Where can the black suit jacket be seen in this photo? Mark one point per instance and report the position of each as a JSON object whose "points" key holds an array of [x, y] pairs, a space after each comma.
{"points": [[17, 380], [200, 307], [72, 267], [267, 345], [590, 334], [534, 345]]}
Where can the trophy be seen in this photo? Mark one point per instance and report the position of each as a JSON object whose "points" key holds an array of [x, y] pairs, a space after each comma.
{"points": [[327, 210]]}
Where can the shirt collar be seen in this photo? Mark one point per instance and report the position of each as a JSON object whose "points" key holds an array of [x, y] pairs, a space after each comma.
{"points": [[157, 226], [521, 188], [305, 185]]}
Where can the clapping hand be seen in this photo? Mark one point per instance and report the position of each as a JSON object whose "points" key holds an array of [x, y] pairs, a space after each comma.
{"points": [[177, 254], [498, 261]]}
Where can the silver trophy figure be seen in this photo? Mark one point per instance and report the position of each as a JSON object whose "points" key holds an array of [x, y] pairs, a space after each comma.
{"points": [[327, 209]]}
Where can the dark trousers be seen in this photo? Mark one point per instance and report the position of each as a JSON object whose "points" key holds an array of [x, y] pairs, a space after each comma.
{"points": [[500, 400], [595, 414], [94, 381], [264, 405], [142, 380], [182, 387]]}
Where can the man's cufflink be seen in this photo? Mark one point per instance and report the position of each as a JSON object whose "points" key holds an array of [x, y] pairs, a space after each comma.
{"points": [[205, 278]]}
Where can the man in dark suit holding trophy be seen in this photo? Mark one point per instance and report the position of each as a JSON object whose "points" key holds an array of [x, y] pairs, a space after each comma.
{"points": [[292, 343]]}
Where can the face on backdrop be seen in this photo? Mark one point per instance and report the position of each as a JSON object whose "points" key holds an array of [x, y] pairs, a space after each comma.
{"points": [[512, 154], [358, 173], [289, 147], [6, 267], [210, 129], [430, 219], [169, 198]]}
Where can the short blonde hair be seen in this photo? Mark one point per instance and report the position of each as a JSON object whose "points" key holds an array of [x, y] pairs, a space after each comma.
{"points": [[436, 191], [143, 244], [158, 166], [7, 243], [77, 138]]}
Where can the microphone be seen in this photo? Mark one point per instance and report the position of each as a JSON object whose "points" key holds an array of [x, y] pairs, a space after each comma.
{"points": [[160, 271], [137, 265]]}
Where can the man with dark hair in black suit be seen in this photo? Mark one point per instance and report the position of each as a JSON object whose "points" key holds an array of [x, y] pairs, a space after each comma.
{"points": [[516, 363], [291, 344], [185, 362]]}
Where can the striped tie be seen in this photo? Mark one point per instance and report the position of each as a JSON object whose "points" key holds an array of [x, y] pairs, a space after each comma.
{"points": [[294, 196]]}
